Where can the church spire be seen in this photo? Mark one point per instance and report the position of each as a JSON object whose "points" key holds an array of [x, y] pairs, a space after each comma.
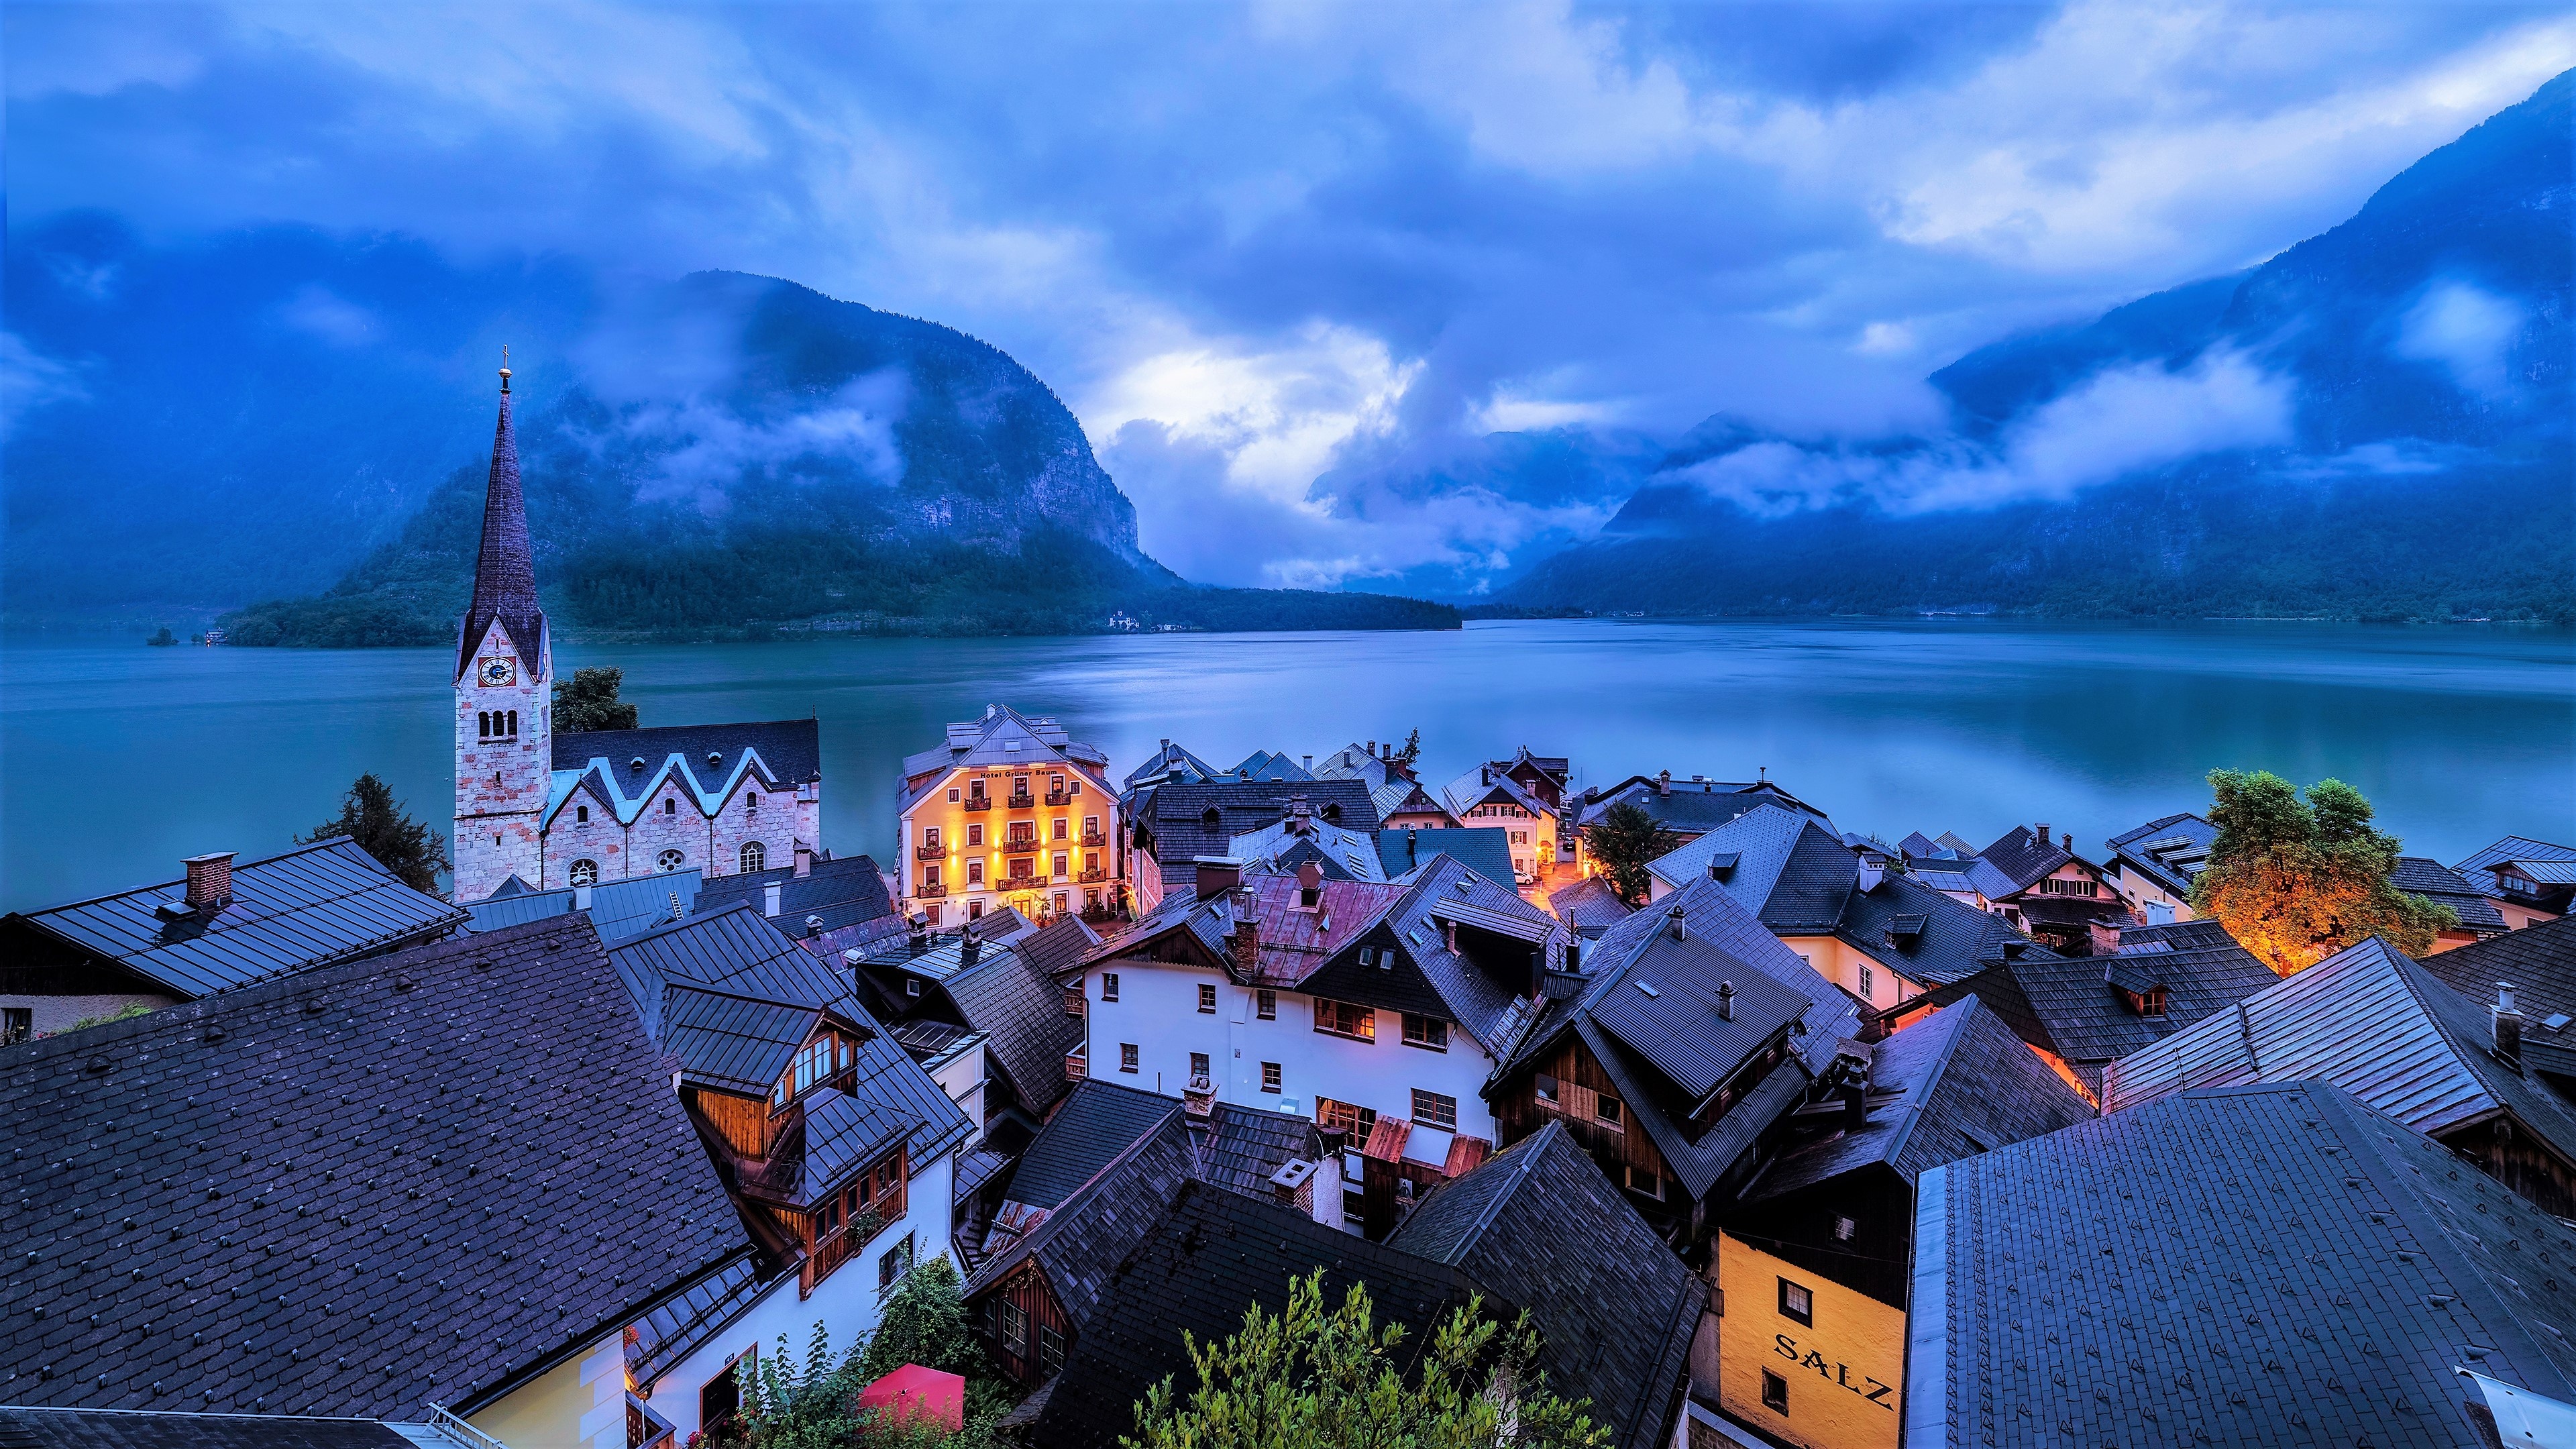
{"points": [[505, 574]]}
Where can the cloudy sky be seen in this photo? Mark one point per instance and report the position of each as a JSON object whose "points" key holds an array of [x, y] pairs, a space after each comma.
{"points": [[1286, 261]]}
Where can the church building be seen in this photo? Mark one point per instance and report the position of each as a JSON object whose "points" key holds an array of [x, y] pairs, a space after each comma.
{"points": [[580, 808]]}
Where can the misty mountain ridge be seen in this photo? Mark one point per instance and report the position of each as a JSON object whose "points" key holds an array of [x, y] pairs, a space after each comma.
{"points": [[2374, 423]]}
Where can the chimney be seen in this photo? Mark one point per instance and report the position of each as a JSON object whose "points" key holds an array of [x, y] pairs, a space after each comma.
{"points": [[1726, 1001], [1218, 874], [2066, 841], [1487, 774], [1573, 950], [1409, 844], [1310, 885], [2105, 934], [813, 927], [581, 898], [1663, 782], [968, 948], [769, 899], [1247, 945], [1310, 764], [1873, 869], [1855, 1096], [210, 879], [916, 933], [2041, 831], [804, 860], [2508, 1024], [1372, 749], [1673, 923]]}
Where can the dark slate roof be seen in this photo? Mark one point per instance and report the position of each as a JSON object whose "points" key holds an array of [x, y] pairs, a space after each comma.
{"points": [[2477, 869], [2169, 850], [1948, 940], [619, 909], [846, 1132], [844, 892], [1002, 738], [735, 950], [1175, 818], [1269, 765], [1099, 1121], [1193, 1268], [1243, 1146], [505, 570], [387, 1138], [2539, 960], [1589, 906], [2274, 1264], [1486, 1000], [1693, 807], [1615, 1317], [1953, 1084], [676, 1327], [1485, 850], [888, 1076], [2069, 1006], [791, 748], [1762, 840], [2438, 883], [2372, 1022], [1059, 946], [1666, 1011], [1082, 1243], [130, 1429], [1164, 761], [2024, 857], [739, 1042], [309, 906], [1020, 1010]]}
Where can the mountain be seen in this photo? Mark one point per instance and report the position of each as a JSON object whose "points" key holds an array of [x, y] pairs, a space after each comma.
{"points": [[289, 428], [2372, 424]]}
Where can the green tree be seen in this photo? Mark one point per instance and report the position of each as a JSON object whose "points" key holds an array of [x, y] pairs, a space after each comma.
{"points": [[370, 815], [925, 1324], [1411, 754], [588, 701], [816, 1406], [1624, 841], [1312, 1379], [2296, 880], [165, 638]]}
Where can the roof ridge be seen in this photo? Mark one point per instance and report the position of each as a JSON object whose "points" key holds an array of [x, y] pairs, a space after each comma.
{"points": [[1919, 1100], [305, 848], [655, 933]]}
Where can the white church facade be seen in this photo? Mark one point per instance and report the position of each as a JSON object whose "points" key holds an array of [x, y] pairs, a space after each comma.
{"points": [[581, 808]]}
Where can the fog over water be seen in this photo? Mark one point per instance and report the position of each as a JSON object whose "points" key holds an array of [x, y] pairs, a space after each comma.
{"points": [[115, 762]]}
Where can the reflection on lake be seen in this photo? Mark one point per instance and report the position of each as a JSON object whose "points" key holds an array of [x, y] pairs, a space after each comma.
{"points": [[117, 761]]}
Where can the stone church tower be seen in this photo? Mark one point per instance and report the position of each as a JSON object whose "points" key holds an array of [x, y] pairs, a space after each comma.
{"points": [[504, 671]]}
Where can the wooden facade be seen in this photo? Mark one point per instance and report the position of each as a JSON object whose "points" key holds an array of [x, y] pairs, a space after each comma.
{"points": [[1026, 1327], [1579, 1084], [2513, 1155]]}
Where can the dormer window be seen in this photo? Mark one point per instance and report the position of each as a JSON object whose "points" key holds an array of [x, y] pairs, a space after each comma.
{"points": [[815, 1062]]}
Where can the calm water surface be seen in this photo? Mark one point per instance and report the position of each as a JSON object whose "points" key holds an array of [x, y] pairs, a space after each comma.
{"points": [[117, 761]]}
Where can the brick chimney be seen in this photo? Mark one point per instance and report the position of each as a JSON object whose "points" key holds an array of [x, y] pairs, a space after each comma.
{"points": [[2041, 832], [1218, 874], [1247, 945], [210, 879]]}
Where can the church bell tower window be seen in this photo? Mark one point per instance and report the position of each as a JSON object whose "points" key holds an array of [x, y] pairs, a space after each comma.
{"points": [[585, 872]]}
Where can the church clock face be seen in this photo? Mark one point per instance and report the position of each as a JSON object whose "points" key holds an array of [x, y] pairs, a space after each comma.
{"points": [[497, 672]]}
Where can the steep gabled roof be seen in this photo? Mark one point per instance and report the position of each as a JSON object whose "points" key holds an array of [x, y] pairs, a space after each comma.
{"points": [[1354, 762], [1083, 1244], [1485, 1006], [1244, 1145], [1589, 906], [2023, 857], [842, 892], [1176, 818], [1192, 1268], [1269, 765], [1099, 1123], [619, 909], [1614, 1318], [1912, 928], [1956, 1083], [1761, 839], [1690, 807], [1488, 784], [1169, 760], [708, 757], [1003, 739], [2443, 886], [1027, 1031], [309, 906], [736, 950], [740, 1043], [505, 569], [2540, 961], [2286, 1236], [155, 1429], [409, 1149], [2169, 850], [2477, 869], [1285, 845], [2367, 1020]]}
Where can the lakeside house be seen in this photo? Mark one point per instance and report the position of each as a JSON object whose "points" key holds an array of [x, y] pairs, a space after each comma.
{"points": [[2528, 881], [1013, 812]]}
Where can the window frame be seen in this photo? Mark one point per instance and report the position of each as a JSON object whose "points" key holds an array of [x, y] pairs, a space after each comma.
{"points": [[1805, 1315], [1775, 1392], [1109, 986], [1328, 1012], [1428, 1040], [1207, 998], [1127, 1057], [1547, 1089], [1265, 1004], [1616, 1118], [1201, 1065], [1441, 1104], [1273, 1077], [584, 872]]}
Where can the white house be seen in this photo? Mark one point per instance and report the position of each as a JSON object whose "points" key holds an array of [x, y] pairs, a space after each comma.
{"points": [[1377, 1009]]}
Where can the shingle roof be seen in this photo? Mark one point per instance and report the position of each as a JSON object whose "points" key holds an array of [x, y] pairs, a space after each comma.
{"points": [[1956, 1083], [1667, 1011], [1020, 1009], [2513, 847], [2540, 961], [844, 1132], [1354, 762], [2169, 850], [1949, 939], [1193, 1268], [1693, 807], [1082, 1244], [1589, 905], [1244, 1145], [1098, 1122], [2365, 1019], [1175, 820], [1615, 1317], [2436, 882], [738, 1042], [844, 892], [1003, 738], [1481, 785], [792, 749], [309, 906], [735, 950], [398, 1162], [618, 909], [2024, 857], [1484, 1005], [2273, 1264], [131, 1429], [1343, 854], [1761, 840], [665, 1337], [1164, 761], [1487, 851], [1269, 765], [1059, 946], [1404, 797]]}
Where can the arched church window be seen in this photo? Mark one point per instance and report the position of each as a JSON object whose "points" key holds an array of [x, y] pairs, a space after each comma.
{"points": [[581, 815], [751, 800], [670, 860], [585, 872], [513, 731], [482, 724], [670, 806], [755, 856]]}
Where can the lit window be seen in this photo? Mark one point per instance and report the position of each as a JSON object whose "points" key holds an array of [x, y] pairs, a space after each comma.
{"points": [[1270, 1076], [585, 872], [1126, 1056], [1341, 1018], [930, 875], [670, 860], [1265, 1004], [1207, 1000], [1109, 986], [1059, 863], [1348, 1117], [1426, 1031], [755, 856], [930, 838], [974, 872], [1060, 829], [1090, 825], [974, 910], [1797, 1302], [1432, 1109]]}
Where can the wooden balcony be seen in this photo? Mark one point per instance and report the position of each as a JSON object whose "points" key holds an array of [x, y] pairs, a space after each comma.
{"points": [[979, 802], [928, 892], [1023, 845], [1022, 802], [930, 852], [1059, 797], [1077, 1064], [1094, 838]]}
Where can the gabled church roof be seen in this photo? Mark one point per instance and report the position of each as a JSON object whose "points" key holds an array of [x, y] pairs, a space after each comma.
{"points": [[505, 572]]}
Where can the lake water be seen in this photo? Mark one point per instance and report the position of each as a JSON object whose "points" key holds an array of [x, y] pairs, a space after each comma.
{"points": [[115, 762]]}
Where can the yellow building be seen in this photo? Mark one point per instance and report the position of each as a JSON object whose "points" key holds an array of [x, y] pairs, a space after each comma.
{"points": [[1013, 812], [1809, 1361]]}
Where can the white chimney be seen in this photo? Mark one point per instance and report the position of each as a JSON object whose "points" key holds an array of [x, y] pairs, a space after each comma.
{"points": [[581, 898], [1873, 869], [769, 899], [1673, 920], [2508, 1024]]}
